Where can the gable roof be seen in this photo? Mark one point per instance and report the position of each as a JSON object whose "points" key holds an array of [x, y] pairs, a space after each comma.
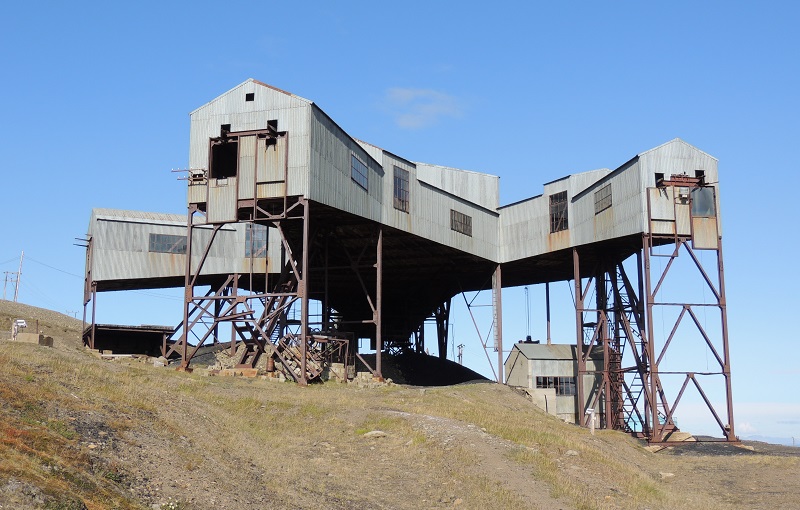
{"points": [[255, 82]]}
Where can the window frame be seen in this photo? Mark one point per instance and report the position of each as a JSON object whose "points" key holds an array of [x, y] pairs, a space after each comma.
{"points": [[460, 222], [559, 212], [356, 174], [256, 247], [603, 199], [166, 243], [565, 386], [402, 192], [710, 207]]}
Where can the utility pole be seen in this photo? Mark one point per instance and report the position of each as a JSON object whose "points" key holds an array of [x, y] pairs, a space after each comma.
{"points": [[19, 276], [461, 354], [5, 284]]}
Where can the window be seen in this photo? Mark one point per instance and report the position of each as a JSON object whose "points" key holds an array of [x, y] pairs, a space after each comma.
{"points": [[255, 240], [558, 212], [250, 96], [358, 171], [400, 189], [563, 385], [460, 222], [703, 202], [165, 243], [602, 198], [224, 159]]}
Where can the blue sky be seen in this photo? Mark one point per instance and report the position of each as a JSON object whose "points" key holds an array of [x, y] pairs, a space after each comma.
{"points": [[95, 100]]}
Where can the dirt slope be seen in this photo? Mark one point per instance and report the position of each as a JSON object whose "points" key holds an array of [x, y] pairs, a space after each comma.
{"points": [[78, 432]]}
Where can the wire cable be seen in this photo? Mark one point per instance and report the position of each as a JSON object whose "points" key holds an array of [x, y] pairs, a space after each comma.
{"points": [[53, 268]]}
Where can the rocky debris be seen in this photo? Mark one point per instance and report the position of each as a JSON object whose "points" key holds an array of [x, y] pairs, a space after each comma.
{"points": [[21, 495]]}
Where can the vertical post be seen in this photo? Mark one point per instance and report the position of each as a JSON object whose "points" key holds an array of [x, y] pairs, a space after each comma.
{"points": [[217, 311], [19, 277], [303, 283], [576, 274], [731, 433], [547, 305], [233, 293], [94, 314], [188, 291], [378, 306], [648, 354], [497, 304], [326, 311]]}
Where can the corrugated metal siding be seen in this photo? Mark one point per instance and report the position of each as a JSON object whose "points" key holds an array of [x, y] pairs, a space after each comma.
{"points": [[429, 211], [678, 157], [624, 217], [320, 168], [247, 167], [331, 182], [481, 189], [291, 112], [271, 161], [121, 247], [222, 200]]}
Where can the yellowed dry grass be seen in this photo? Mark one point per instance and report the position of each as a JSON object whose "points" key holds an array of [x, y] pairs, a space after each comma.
{"points": [[307, 445]]}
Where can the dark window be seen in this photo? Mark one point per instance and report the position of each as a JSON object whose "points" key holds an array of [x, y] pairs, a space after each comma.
{"points": [[460, 222], [250, 96], [224, 159], [255, 239], [703, 202], [558, 212], [700, 174], [659, 179], [563, 385], [358, 171], [400, 189], [166, 243], [602, 198]]}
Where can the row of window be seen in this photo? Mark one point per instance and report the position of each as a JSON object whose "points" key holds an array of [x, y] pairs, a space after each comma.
{"points": [[255, 242], [563, 385]]}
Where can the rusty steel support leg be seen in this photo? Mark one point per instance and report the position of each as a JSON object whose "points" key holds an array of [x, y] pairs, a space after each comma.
{"points": [[326, 310], [726, 370], [442, 315], [378, 307], [579, 305], [547, 305], [603, 339], [497, 309], [94, 316], [188, 293], [651, 369], [303, 291]]}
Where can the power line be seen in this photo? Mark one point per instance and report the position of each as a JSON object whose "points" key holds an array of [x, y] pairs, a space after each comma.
{"points": [[54, 268]]}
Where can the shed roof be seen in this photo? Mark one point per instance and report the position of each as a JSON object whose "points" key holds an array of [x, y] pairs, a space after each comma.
{"points": [[553, 351]]}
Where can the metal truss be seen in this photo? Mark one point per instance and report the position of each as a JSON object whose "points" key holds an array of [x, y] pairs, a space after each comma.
{"points": [[614, 314]]}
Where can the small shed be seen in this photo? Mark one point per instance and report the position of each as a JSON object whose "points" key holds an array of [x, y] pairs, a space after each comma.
{"points": [[549, 373]]}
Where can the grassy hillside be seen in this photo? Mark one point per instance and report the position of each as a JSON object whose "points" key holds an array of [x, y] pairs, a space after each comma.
{"points": [[78, 432]]}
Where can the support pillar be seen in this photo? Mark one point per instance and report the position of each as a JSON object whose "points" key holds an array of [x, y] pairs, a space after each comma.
{"points": [[576, 272], [378, 306], [303, 290], [497, 309]]}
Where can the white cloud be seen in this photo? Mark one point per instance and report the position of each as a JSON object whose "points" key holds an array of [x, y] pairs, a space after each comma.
{"points": [[420, 108], [745, 428]]}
